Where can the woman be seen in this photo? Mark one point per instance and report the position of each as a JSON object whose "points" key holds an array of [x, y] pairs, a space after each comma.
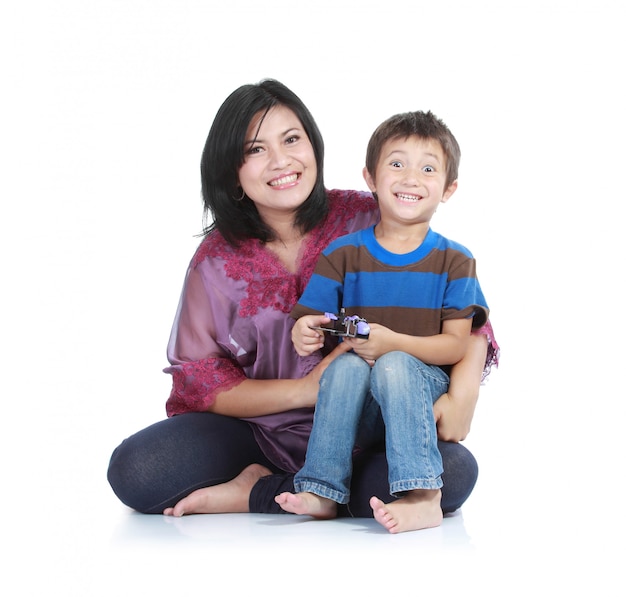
{"points": [[241, 406]]}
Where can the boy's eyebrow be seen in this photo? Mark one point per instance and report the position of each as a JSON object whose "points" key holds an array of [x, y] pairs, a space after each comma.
{"points": [[396, 151], [433, 155], [403, 152]]}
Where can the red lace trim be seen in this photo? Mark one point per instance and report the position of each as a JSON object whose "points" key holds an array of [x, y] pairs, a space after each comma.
{"points": [[493, 349], [195, 384], [268, 283]]}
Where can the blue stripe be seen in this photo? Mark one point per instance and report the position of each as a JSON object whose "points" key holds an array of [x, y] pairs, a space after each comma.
{"points": [[418, 290], [381, 289], [462, 293], [322, 294]]}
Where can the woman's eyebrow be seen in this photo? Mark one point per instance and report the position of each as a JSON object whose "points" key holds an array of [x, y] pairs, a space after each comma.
{"points": [[293, 129]]}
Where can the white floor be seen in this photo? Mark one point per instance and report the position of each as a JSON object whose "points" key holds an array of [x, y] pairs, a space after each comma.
{"points": [[544, 518], [122, 553], [87, 543]]}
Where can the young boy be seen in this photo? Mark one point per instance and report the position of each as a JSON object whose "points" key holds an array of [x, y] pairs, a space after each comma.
{"points": [[420, 295]]}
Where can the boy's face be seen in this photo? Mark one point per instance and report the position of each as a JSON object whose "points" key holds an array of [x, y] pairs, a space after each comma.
{"points": [[410, 179]]}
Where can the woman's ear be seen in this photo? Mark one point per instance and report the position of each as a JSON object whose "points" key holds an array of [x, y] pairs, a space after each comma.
{"points": [[449, 191], [371, 184]]}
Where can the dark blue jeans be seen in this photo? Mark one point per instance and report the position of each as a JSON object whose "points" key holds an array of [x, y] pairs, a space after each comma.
{"points": [[156, 467]]}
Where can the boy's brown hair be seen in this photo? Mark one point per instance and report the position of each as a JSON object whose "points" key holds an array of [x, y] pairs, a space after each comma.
{"points": [[424, 125]]}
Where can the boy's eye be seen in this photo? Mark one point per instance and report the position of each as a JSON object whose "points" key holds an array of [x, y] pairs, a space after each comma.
{"points": [[396, 164], [428, 169]]}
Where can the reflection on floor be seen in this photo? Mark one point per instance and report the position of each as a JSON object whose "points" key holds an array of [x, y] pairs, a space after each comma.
{"points": [[119, 552]]}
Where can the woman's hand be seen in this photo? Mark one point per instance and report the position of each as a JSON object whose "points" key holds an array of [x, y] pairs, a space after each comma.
{"points": [[453, 418], [454, 410], [310, 384]]}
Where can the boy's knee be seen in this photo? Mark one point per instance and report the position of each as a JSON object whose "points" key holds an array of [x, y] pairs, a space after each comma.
{"points": [[395, 358], [349, 361], [348, 366]]}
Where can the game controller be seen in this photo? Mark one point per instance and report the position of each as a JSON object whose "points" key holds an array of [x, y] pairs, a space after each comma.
{"points": [[351, 326]]}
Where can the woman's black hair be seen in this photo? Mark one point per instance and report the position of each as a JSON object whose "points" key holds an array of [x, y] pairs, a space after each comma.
{"points": [[223, 156]]}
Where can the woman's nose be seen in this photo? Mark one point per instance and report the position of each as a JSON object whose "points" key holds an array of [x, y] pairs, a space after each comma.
{"points": [[280, 158]]}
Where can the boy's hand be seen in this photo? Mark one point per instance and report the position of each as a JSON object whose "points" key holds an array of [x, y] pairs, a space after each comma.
{"points": [[379, 342], [306, 340]]}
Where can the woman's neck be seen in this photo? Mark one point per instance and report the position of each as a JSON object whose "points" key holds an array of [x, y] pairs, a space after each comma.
{"points": [[287, 251], [287, 241]]}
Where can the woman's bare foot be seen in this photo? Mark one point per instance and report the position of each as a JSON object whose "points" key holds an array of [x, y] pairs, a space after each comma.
{"points": [[418, 509], [225, 498], [307, 503]]}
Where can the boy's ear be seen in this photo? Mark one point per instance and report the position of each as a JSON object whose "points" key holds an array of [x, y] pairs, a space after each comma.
{"points": [[371, 185], [449, 191]]}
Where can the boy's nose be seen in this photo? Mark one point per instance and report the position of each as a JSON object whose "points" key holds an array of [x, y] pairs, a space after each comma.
{"points": [[411, 176]]}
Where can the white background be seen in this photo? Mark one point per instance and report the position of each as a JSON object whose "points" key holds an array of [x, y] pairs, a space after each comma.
{"points": [[105, 107]]}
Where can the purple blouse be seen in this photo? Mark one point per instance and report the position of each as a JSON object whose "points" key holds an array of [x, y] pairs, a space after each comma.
{"points": [[233, 323]]}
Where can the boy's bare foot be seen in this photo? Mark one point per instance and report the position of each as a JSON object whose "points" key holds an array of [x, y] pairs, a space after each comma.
{"points": [[225, 498], [418, 509], [307, 503]]}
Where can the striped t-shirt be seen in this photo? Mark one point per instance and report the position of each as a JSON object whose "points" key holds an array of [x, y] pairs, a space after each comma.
{"points": [[411, 293]]}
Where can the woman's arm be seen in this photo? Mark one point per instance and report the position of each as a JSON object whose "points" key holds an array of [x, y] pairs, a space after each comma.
{"points": [[206, 377], [455, 409], [273, 395]]}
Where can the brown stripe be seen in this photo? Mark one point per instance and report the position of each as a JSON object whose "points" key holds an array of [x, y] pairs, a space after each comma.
{"points": [[454, 262]]}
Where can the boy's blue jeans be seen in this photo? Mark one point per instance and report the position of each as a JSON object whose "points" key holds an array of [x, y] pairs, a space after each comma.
{"points": [[359, 405]]}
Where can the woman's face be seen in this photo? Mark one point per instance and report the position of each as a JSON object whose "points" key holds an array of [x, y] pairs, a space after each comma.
{"points": [[279, 171]]}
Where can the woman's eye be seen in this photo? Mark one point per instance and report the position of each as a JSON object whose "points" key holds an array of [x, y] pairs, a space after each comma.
{"points": [[292, 139], [254, 149]]}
